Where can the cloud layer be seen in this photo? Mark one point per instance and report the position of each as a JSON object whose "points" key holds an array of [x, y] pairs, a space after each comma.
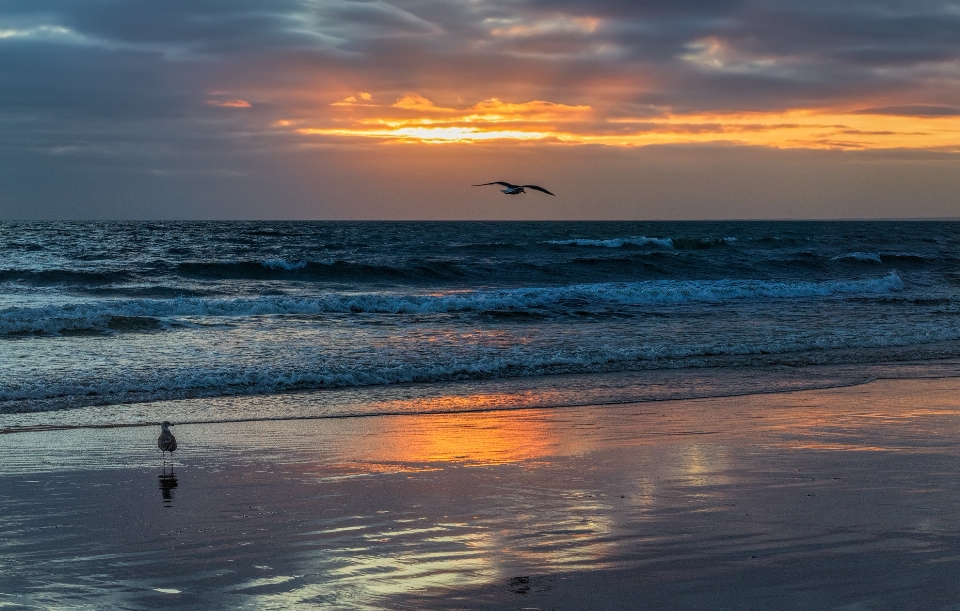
{"points": [[202, 87]]}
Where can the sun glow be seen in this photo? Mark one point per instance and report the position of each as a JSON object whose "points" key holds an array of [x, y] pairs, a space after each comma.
{"points": [[415, 118], [430, 134]]}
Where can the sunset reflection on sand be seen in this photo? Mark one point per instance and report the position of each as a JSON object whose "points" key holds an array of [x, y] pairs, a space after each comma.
{"points": [[481, 439], [408, 511]]}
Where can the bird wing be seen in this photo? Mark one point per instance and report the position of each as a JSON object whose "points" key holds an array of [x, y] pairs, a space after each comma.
{"points": [[499, 182], [537, 188]]}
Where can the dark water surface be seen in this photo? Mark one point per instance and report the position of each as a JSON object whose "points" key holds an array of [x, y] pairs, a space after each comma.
{"points": [[108, 314]]}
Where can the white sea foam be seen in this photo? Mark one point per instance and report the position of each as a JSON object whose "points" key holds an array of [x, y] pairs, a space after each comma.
{"points": [[866, 257], [129, 382], [284, 265], [99, 315], [616, 242]]}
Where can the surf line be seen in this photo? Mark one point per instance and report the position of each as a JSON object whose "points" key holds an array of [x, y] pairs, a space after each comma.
{"points": [[451, 412]]}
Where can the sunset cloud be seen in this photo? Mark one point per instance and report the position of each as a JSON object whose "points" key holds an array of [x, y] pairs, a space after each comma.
{"points": [[96, 77], [416, 102], [620, 58], [414, 118], [920, 127], [351, 100], [559, 24], [229, 103]]}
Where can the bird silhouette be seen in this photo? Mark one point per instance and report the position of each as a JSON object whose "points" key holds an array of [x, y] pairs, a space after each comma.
{"points": [[166, 442], [512, 189]]}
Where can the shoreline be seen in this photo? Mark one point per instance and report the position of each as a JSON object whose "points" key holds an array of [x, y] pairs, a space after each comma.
{"points": [[799, 500], [479, 396]]}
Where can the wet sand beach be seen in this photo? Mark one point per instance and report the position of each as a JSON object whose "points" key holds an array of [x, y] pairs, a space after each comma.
{"points": [[845, 498]]}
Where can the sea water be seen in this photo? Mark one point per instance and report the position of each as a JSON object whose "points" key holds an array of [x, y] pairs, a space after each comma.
{"points": [[248, 320]]}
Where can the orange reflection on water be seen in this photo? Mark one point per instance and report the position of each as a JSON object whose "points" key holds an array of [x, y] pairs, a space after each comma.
{"points": [[480, 438], [885, 415]]}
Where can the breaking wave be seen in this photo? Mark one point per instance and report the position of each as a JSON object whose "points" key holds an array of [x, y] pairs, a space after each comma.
{"points": [[103, 315], [616, 242], [281, 264], [866, 257], [329, 270]]}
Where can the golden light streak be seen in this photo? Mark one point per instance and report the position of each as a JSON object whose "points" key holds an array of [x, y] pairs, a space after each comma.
{"points": [[229, 103], [561, 24], [794, 129], [414, 118], [430, 134]]}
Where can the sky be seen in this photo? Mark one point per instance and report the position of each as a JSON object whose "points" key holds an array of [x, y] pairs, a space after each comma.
{"points": [[344, 109]]}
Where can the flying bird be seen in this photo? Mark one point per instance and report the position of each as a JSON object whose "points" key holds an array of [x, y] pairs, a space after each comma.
{"points": [[166, 442], [514, 189]]}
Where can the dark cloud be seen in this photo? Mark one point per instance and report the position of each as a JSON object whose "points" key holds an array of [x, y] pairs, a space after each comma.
{"points": [[687, 53], [142, 85], [912, 110], [863, 36], [643, 9], [176, 25]]}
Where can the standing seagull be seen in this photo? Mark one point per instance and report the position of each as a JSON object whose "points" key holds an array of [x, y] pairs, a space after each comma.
{"points": [[514, 189], [166, 442]]}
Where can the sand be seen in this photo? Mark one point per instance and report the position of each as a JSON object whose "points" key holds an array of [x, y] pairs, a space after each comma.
{"points": [[823, 499]]}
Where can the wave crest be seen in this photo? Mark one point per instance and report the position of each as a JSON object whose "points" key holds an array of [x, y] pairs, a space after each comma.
{"points": [[100, 316], [615, 242], [865, 257]]}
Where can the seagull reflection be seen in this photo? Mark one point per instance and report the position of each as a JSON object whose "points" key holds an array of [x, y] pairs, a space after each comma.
{"points": [[168, 481]]}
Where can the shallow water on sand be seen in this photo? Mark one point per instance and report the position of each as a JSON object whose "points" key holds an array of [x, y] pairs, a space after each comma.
{"points": [[480, 396], [814, 499]]}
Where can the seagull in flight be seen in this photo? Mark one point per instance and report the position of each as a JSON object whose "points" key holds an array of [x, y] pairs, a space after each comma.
{"points": [[514, 189]]}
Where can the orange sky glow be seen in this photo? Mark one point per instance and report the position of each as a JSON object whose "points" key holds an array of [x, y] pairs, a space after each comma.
{"points": [[414, 118], [697, 108]]}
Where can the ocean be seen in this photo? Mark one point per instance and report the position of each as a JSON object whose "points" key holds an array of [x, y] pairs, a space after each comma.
{"points": [[126, 323]]}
